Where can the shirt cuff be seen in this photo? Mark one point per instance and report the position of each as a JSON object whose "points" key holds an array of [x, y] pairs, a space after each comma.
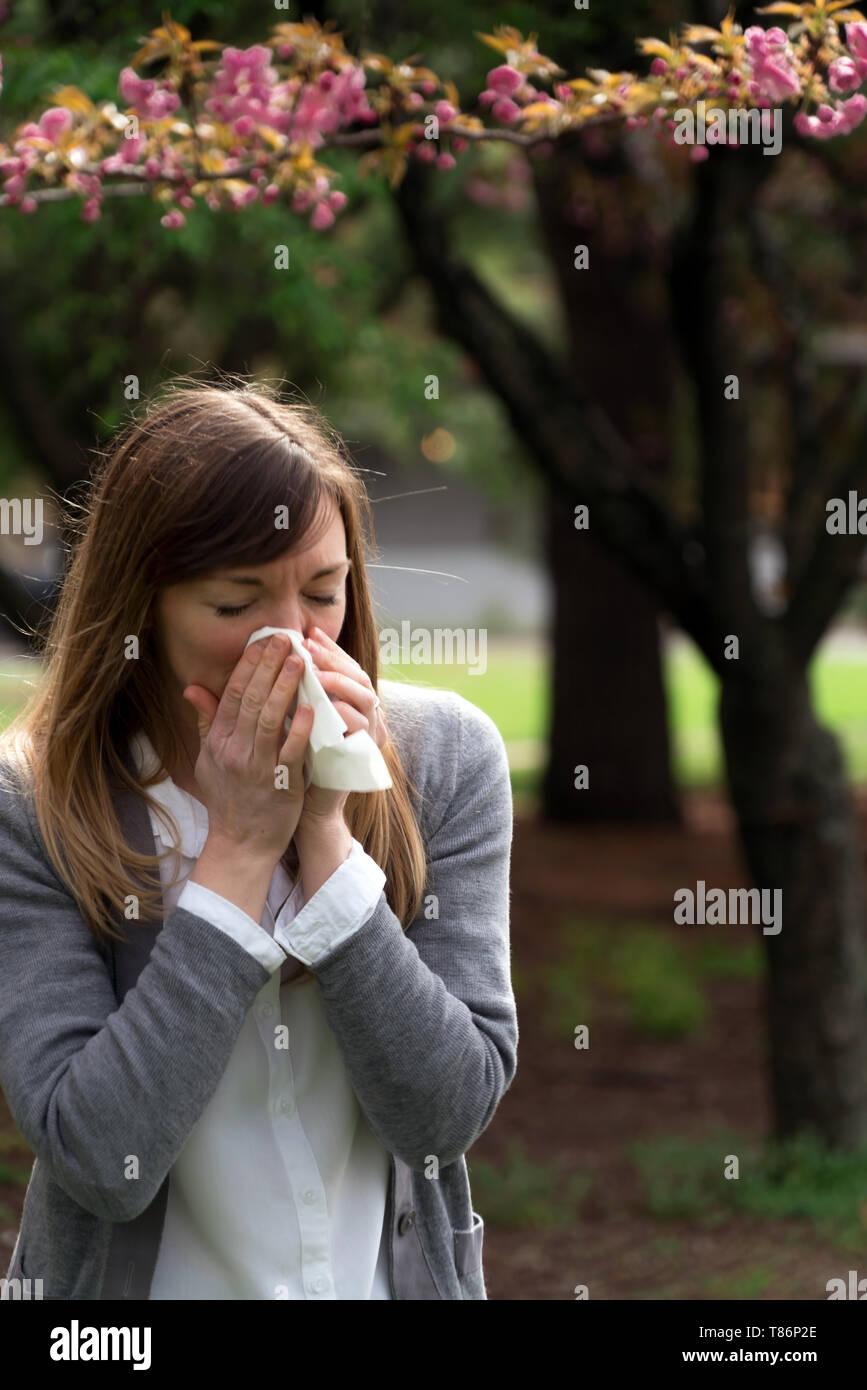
{"points": [[231, 919], [341, 907]]}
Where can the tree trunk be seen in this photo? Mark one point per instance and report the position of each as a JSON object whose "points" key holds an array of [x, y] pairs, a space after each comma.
{"points": [[800, 834], [608, 703], [606, 625]]}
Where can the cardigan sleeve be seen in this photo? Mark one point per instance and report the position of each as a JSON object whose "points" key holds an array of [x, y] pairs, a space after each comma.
{"points": [[426, 1019], [106, 1096]]}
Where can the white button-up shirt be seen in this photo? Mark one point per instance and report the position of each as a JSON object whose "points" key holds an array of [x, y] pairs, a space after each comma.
{"points": [[280, 1190]]}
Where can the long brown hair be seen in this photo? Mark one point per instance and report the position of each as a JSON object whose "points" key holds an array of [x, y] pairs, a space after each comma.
{"points": [[188, 485]]}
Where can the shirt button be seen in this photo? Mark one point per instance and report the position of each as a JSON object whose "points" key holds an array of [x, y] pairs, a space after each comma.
{"points": [[309, 1196], [319, 1284], [265, 1010], [287, 1105]]}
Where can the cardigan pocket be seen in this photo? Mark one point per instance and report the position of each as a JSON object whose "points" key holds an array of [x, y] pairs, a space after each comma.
{"points": [[468, 1247]]}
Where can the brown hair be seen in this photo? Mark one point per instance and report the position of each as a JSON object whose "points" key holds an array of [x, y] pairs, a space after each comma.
{"points": [[189, 487]]}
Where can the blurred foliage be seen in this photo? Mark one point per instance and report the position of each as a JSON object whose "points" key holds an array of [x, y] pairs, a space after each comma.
{"points": [[800, 1179], [646, 972], [525, 1195]]}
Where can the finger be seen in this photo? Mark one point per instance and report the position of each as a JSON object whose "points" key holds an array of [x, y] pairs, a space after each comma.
{"points": [[271, 722], [338, 686], [351, 717], [332, 657], [292, 753], [230, 700], [258, 689]]}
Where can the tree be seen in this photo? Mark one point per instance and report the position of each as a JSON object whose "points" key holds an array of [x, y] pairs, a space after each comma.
{"points": [[253, 135]]}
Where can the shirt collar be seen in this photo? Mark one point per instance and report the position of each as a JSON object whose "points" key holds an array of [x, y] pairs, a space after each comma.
{"points": [[191, 816]]}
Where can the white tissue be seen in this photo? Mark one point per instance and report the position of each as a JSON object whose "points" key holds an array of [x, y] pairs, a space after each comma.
{"points": [[351, 764]]}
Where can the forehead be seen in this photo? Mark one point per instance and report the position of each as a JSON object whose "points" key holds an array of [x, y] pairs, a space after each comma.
{"points": [[328, 548]]}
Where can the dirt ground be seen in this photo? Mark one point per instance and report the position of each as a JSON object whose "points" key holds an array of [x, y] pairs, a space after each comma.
{"points": [[582, 1108]]}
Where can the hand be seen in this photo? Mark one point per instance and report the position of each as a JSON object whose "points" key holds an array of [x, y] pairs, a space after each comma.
{"points": [[351, 691], [242, 743]]}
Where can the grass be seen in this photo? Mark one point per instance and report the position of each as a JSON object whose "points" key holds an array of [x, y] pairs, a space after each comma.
{"points": [[656, 982], [746, 1284], [523, 1194], [513, 690], [796, 1180]]}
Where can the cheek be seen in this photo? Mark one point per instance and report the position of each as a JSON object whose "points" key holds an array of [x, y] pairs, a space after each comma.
{"points": [[210, 654]]}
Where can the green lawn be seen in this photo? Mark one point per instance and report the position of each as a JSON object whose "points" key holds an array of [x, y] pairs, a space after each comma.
{"points": [[513, 691]]}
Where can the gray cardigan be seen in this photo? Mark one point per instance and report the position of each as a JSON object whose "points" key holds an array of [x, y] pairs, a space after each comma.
{"points": [[106, 1053]]}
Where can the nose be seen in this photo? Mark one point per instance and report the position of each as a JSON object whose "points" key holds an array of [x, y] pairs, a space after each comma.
{"points": [[292, 619]]}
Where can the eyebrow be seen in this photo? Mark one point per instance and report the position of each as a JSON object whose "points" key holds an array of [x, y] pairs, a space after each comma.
{"points": [[259, 583]]}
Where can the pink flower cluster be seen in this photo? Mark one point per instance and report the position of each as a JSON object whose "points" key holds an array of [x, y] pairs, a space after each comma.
{"points": [[833, 120], [243, 89], [323, 202], [151, 99], [335, 99], [770, 60], [28, 149], [507, 91]]}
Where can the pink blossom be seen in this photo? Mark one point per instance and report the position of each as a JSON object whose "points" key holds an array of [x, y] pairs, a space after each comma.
{"points": [[91, 212], [243, 84], [699, 153], [504, 80], [426, 152], [445, 112], [270, 193], [337, 200], [774, 77], [149, 98], [322, 217], [319, 113], [658, 67], [14, 187], [28, 205], [54, 121], [843, 119], [173, 219], [505, 111], [852, 113], [459, 144], [446, 161], [843, 76], [856, 39]]}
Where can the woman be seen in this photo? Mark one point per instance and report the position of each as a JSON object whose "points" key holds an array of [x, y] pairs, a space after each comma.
{"points": [[206, 1124]]}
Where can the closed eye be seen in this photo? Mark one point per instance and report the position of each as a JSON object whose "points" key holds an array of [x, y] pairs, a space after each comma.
{"points": [[233, 612]]}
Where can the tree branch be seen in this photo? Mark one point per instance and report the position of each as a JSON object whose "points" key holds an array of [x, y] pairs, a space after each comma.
{"points": [[579, 452]]}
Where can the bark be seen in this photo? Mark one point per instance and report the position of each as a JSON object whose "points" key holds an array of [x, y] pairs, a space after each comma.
{"points": [[618, 346], [800, 835], [607, 698]]}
